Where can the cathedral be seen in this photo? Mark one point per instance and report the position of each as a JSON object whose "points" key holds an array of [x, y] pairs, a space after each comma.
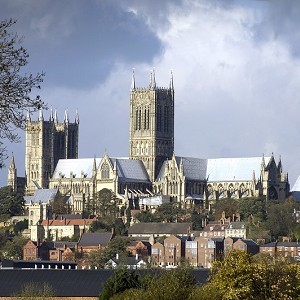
{"points": [[152, 173]]}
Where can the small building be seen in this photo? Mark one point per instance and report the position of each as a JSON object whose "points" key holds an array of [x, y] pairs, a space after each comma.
{"points": [[234, 243], [209, 249], [158, 254], [284, 249], [142, 248], [174, 250], [236, 229], [133, 262], [91, 241]]}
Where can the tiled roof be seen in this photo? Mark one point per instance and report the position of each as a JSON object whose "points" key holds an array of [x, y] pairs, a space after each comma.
{"points": [[236, 225], [131, 170], [95, 239], [160, 228], [68, 222], [42, 195]]}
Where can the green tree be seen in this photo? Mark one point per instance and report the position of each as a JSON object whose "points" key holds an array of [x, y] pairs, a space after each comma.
{"points": [[145, 216], [230, 206], [15, 87], [116, 246], [241, 276], [106, 203], [254, 207], [14, 249], [279, 218], [11, 203], [169, 212], [176, 284], [122, 279]]}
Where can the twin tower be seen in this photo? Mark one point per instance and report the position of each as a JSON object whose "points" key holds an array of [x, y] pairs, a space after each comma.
{"points": [[151, 135]]}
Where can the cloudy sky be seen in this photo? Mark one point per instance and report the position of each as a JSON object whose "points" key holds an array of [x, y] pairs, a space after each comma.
{"points": [[236, 66]]}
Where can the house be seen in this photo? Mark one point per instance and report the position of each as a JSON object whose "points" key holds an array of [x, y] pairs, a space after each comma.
{"points": [[145, 230], [241, 244], [248, 246], [285, 249], [142, 248], [53, 251], [158, 254], [129, 262], [174, 250], [191, 252], [215, 230], [209, 249], [90, 241], [236, 229]]}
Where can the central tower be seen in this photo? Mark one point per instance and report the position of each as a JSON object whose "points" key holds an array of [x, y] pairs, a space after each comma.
{"points": [[151, 124]]}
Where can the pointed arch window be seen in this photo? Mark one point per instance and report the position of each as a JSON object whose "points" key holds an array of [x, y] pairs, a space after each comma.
{"points": [[105, 171]]}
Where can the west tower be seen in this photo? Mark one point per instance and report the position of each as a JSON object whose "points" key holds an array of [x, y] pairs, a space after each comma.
{"points": [[151, 137], [46, 143]]}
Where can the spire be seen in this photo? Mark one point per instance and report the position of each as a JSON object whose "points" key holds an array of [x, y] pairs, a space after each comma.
{"points": [[253, 176], [153, 79], [66, 120], [51, 115], [12, 164], [28, 116], [77, 117], [41, 116], [94, 166], [181, 165], [133, 80], [171, 81], [263, 165], [279, 164]]}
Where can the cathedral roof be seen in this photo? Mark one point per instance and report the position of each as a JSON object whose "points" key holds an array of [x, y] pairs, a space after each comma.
{"points": [[131, 170], [233, 169], [42, 195], [217, 169], [76, 166]]}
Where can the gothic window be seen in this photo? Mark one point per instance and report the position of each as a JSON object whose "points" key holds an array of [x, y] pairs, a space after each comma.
{"points": [[166, 119], [145, 119], [140, 120], [136, 119], [159, 118], [148, 119], [105, 171]]}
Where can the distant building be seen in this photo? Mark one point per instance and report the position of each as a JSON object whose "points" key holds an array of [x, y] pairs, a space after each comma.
{"points": [[236, 229], [152, 168]]}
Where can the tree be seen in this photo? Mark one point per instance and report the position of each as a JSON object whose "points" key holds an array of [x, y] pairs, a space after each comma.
{"points": [[14, 249], [106, 203], [255, 207], [36, 290], [241, 276], [169, 212], [117, 245], [15, 87], [11, 203], [122, 279], [228, 205]]}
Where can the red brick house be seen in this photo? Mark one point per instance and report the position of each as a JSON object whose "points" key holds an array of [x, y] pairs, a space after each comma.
{"points": [[158, 254]]}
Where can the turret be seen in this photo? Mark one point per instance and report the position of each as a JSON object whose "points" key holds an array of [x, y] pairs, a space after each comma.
{"points": [[133, 80]]}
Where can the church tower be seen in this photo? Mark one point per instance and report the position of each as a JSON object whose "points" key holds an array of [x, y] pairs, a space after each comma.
{"points": [[12, 179], [46, 143], [151, 124]]}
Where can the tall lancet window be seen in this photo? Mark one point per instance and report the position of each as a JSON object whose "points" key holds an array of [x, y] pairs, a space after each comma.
{"points": [[105, 171]]}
